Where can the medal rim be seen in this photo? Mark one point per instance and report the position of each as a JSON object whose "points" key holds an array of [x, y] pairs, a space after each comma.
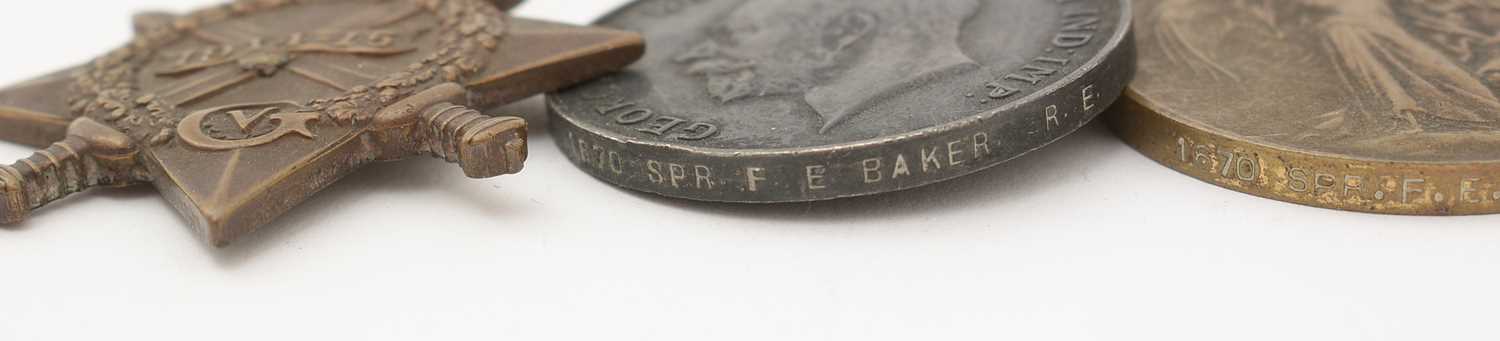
{"points": [[1118, 49], [1108, 51]]}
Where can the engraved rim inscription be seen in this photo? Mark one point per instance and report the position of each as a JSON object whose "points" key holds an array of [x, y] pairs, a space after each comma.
{"points": [[697, 144], [1348, 77]]}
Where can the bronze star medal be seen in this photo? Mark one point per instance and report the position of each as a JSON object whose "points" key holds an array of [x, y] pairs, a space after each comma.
{"points": [[239, 112]]}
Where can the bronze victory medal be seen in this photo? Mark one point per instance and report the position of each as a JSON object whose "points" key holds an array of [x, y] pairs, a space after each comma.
{"points": [[1386, 106], [764, 101], [238, 112]]}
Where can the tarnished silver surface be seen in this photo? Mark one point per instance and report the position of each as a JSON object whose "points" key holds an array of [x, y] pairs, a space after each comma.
{"points": [[792, 100]]}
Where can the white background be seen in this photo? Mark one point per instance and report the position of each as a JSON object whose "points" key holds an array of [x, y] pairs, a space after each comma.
{"points": [[1086, 240]]}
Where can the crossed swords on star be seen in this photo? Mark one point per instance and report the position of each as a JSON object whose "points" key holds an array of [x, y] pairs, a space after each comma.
{"points": [[534, 57], [250, 53]]}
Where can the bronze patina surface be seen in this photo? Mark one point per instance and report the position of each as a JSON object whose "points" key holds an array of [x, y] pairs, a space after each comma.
{"points": [[239, 112], [1364, 105]]}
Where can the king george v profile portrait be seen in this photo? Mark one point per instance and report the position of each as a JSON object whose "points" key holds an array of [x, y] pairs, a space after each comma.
{"points": [[842, 56]]}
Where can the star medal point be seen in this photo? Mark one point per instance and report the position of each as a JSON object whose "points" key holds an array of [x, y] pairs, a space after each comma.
{"points": [[238, 112]]}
